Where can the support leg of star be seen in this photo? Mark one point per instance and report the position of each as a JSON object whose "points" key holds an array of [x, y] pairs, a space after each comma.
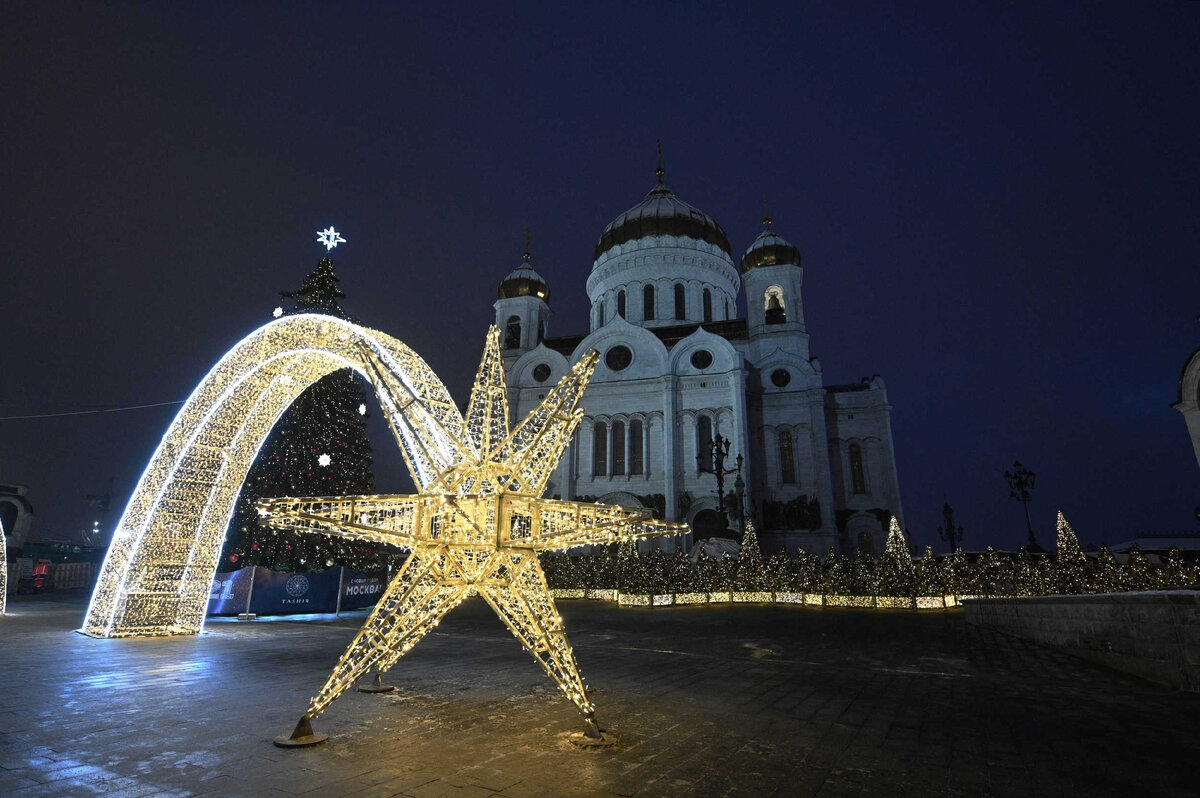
{"points": [[526, 607], [416, 600]]}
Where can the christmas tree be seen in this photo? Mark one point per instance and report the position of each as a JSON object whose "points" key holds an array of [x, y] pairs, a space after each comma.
{"points": [[897, 576], [1073, 566], [319, 447]]}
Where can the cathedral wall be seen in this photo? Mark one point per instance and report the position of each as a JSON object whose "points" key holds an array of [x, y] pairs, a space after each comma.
{"points": [[861, 451]]}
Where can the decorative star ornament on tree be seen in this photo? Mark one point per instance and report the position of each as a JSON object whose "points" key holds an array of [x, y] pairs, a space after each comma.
{"points": [[474, 529], [330, 238]]}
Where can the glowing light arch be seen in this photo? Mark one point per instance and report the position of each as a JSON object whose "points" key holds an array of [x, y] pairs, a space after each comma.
{"points": [[156, 576]]}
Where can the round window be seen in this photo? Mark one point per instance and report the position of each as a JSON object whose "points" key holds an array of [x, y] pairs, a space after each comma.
{"points": [[618, 358], [541, 372], [701, 359], [781, 378]]}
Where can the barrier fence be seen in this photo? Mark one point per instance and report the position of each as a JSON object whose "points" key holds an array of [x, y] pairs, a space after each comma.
{"points": [[262, 591]]}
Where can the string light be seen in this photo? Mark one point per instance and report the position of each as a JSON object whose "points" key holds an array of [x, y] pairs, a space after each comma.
{"points": [[156, 575], [3, 571], [475, 528]]}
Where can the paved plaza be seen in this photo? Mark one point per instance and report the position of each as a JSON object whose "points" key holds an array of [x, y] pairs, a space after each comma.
{"points": [[752, 701]]}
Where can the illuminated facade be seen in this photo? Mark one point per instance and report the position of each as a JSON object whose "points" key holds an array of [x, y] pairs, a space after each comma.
{"points": [[678, 367]]}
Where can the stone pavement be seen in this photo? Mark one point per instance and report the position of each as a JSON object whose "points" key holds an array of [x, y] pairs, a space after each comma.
{"points": [[753, 701]]}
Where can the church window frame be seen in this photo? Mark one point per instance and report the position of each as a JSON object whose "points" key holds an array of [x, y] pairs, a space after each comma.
{"points": [[787, 459], [618, 448], [648, 303], [637, 452], [512, 333], [599, 449], [704, 441], [600, 313], [706, 305], [774, 315], [621, 304], [680, 302], [858, 476]]}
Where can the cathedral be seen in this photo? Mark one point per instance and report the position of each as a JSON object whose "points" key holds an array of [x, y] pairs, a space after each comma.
{"points": [[678, 370]]}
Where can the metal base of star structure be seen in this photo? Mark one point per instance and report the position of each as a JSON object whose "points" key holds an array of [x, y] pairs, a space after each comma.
{"points": [[377, 685], [302, 736]]}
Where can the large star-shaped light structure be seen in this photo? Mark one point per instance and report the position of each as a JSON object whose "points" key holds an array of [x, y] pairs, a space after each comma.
{"points": [[330, 238], [474, 529]]}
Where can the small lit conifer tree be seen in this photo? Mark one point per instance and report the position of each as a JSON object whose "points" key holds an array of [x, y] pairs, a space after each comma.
{"points": [[1073, 567], [896, 574]]}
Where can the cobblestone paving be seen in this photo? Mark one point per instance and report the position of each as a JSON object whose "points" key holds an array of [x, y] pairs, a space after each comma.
{"points": [[753, 701]]}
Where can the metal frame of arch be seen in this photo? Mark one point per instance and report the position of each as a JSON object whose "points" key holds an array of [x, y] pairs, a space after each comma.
{"points": [[156, 576]]}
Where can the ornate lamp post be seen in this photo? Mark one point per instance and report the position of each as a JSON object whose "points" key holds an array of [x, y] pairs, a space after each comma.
{"points": [[1020, 483], [719, 451], [949, 532]]}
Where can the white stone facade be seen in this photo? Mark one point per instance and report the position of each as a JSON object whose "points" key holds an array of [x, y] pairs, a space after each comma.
{"points": [[1188, 400], [678, 367]]}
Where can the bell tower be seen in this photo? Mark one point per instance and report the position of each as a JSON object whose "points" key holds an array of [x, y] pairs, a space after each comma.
{"points": [[522, 309]]}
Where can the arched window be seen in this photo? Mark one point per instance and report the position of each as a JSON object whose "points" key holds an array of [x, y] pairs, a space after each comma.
{"points": [[618, 448], [857, 478], [621, 304], [773, 305], [600, 313], [707, 305], [636, 464], [541, 331], [787, 459], [648, 303], [600, 449], [512, 333], [704, 439], [727, 308], [680, 303]]}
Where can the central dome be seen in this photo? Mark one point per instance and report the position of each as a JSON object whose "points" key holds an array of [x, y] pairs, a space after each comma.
{"points": [[662, 213]]}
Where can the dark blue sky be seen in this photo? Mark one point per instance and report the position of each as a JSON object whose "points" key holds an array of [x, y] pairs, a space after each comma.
{"points": [[997, 204]]}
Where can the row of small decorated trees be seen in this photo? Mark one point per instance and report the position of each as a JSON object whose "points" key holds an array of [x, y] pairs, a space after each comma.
{"points": [[991, 573]]}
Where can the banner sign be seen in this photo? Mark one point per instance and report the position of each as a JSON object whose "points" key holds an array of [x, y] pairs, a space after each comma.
{"points": [[278, 593], [362, 588], [230, 591]]}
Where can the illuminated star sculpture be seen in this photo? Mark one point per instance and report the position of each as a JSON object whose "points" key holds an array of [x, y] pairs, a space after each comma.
{"points": [[475, 529], [330, 238]]}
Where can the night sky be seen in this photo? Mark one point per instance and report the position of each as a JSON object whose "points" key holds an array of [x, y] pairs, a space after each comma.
{"points": [[997, 205]]}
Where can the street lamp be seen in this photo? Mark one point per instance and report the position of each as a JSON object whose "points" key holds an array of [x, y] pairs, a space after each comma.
{"points": [[949, 532], [1020, 483], [718, 451], [739, 487]]}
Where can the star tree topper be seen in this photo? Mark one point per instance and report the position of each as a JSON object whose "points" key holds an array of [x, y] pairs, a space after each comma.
{"points": [[330, 238], [475, 529]]}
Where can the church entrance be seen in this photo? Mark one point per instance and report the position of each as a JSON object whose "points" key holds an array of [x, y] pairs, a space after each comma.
{"points": [[708, 524]]}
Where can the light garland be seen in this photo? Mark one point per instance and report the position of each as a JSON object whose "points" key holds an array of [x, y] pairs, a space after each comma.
{"points": [[475, 528], [3, 571], [156, 575]]}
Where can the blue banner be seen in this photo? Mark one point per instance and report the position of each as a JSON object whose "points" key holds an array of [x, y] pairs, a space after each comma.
{"points": [[278, 593], [230, 592], [362, 588]]}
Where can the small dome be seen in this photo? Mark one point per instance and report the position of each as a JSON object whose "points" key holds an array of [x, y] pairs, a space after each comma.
{"points": [[662, 213], [524, 281], [770, 249]]}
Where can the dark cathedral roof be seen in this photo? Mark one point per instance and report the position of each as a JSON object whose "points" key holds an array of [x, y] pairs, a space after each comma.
{"points": [[524, 281], [770, 249], [662, 213]]}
